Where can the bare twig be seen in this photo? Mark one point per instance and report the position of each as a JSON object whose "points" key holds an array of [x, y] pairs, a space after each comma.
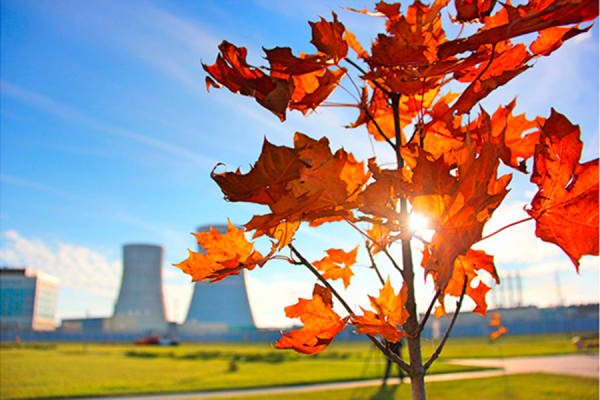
{"points": [[374, 266], [312, 269], [435, 355], [390, 354], [387, 139], [358, 67], [394, 263], [428, 313]]}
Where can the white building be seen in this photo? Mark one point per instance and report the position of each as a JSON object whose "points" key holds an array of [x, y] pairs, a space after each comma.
{"points": [[28, 300]]}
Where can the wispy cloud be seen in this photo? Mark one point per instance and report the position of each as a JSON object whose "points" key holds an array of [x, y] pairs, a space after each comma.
{"points": [[32, 185], [73, 115]]}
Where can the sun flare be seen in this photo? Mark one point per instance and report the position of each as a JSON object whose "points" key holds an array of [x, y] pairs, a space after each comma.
{"points": [[418, 222]]}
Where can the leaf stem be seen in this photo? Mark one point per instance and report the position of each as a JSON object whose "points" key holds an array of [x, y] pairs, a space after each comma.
{"points": [[506, 227]]}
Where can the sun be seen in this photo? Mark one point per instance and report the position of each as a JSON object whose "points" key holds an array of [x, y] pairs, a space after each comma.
{"points": [[418, 222]]}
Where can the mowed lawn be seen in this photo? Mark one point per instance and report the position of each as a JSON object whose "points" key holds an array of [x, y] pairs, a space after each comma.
{"points": [[512, 387], [38, 370]]}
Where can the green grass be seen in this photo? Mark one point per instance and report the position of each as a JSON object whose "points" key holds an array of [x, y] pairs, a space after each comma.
{"points": [[74, 370], [63, 370], [506, 346], [512, 387]]}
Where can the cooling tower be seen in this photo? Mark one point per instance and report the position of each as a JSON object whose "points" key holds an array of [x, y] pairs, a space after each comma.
{"points": [[141, 295], [221, 305]]}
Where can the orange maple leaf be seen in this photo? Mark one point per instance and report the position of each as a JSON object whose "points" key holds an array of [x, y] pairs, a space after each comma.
{"points": [[326, 190], [390, 314], [471, 10], [459, 206], [566, 206], [226, 254], [327, 37], [469, 266], [331, 265], [516, 135], [267, 181], [528, 18], [312, 89], [321, 323], [232, 71]]}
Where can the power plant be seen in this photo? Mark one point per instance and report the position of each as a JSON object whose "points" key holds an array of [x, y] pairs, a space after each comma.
{"points": [[140, 305], [219, 306]]}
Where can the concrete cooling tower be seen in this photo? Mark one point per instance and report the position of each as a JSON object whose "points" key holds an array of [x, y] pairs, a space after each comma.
{"points": [[140, 305], [220, 306]]}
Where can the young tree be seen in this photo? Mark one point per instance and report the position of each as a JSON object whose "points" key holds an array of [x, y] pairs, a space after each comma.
{"points": [[446, 165]]}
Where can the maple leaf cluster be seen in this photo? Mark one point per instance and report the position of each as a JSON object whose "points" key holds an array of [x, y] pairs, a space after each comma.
{"points": [[447, 168]]}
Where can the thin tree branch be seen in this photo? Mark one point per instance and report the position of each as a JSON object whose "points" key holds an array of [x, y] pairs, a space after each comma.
{"points": [[381, 248], [387, 139], [398, 130], [507, 226], [452, 109], [394, 263], [374, 266], [393, 356], [358, 67], [312, 269], [437, 352], [428, 313]]}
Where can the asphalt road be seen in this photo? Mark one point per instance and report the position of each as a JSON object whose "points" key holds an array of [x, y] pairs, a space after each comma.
{"points": [[586, 365]]}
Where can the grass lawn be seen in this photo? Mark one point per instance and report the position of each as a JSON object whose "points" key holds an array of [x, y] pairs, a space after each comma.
{"points": [[37, 370], [512, 387]]}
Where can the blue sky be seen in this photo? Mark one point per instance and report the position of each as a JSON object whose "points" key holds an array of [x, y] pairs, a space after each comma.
{"points": [[108, 137]]}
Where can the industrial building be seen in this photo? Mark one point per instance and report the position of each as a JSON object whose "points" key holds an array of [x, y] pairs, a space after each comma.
{"points": [[215, 308], [140, 306], [221, 306], [28, 300]]}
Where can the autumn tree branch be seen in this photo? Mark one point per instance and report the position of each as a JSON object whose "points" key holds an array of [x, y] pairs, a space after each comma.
{"points": [[374, 265], [390, 354], [377, 84], [387, 139], [437, 352], [428, 313], [312, 269]]}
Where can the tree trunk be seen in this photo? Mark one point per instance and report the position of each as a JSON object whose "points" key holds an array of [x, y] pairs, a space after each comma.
{"points": [[417, 378]]}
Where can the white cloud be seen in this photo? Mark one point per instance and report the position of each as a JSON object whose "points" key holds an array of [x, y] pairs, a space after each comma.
{"points": [[268, 300], [87, 274], [516, 244], [77, 267], [88, 279]]}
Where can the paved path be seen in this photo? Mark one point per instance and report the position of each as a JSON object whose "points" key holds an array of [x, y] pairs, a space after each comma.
{"points": [[580, 364], [575, 364]]}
